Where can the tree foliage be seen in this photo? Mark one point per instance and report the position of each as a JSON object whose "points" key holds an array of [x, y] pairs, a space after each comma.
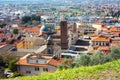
{"points": [[12, 66], [5, 58], [95, 59], [15, 31], [84, 60], [115, 53], [26, 19], [63, 65], [2, 24], [31, 19]]}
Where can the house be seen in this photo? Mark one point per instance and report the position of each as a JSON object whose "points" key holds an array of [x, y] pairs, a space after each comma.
{"points": [[29, 42], [101, 43], [36, 64], [97, 25], [32, 31], [115, 42], [32, 64], [84, 30], [53, 64], [115, 31]]}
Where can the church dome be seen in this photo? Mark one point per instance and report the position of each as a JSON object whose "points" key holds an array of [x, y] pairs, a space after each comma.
{"points": [[44, 28]]}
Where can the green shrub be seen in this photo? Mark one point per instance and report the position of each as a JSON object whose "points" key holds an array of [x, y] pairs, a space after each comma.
{"points": [[15, 31], [12, 65], [115, 53], [74, 63], [84, 60], [63, 65], [5, 58], [16, 75], [97, 58], [107, 58]]}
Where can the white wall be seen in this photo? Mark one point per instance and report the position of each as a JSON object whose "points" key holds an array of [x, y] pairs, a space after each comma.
{"points": [[51, 68], [23, 69], [97, 26], [38, 61]]}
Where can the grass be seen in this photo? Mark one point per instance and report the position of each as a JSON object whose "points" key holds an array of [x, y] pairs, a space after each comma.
{"points": [[108, 71]]}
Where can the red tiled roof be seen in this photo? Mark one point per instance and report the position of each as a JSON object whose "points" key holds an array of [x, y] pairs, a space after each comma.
{"points": [[95, 46], [104, 26], [115, 40], [114, 19], [104, 48], [18, 20], [2, 35], [35, 30], [24, 63], [101, 39], [114, 29], [94, 35], [3, 29], [55, 62]]}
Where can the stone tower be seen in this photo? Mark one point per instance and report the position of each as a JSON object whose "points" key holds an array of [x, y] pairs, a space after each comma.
{"points": [[64, 35]]}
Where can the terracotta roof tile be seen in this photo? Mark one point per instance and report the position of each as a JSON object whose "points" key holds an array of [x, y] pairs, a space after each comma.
{"points": [[101, 39], [24, 63], [104, 48], [55, 62], [3, 29], [18, 20], [114, 29], [34, 30], [2, 35], [115, 40]]}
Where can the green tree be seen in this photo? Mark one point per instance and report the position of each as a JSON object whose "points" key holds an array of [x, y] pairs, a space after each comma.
{"points": [[5, 58], [84, 60], [97, 58], [2, 63], [1, 72], [2, 24], [15, 31], [12, 66], [26, 19], [29, 19], [63, 65], [115, 53]]}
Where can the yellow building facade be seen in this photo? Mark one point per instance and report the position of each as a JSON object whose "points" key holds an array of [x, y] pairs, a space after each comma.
{"points": [[24, 44]]}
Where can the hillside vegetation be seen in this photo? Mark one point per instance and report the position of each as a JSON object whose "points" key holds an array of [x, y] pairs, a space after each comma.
{"points": [[108, 71]]}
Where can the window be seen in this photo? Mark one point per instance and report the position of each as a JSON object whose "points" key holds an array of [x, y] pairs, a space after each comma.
{"points": [[28, 72], [36, 61], [45, 69], [50, 51], [36, 68], [72, 39]]}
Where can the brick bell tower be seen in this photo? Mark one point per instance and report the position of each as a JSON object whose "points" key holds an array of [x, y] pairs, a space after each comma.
{"points": [[64, 35]]}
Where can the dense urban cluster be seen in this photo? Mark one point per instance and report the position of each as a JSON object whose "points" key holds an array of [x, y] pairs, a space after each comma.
{"points": [[43, 36]]}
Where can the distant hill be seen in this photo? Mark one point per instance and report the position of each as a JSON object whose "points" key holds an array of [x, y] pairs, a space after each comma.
{"points": [[108, 71]]}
